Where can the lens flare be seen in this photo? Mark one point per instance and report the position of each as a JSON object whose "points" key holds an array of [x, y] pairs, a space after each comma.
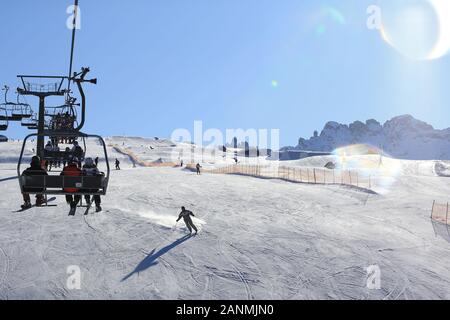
{"points": [[326, 18], [417, 29], [369, 161]]}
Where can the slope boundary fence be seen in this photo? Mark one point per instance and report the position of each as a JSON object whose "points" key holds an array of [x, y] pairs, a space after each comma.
{"points": [[298, 175], [440, 212]]}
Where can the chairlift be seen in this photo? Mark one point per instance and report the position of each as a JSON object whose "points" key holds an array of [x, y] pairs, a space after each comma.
{"points": [[14, 111], [10, 108], [22, 110], [29, 122], [62, 155], [56, 184], [3, 119]]}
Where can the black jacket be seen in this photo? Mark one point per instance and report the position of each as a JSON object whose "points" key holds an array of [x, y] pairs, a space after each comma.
{"points": [[34, 170], [186, 214]]}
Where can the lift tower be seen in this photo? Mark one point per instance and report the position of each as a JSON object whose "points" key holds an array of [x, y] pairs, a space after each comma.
{"points": [[42, 91]]}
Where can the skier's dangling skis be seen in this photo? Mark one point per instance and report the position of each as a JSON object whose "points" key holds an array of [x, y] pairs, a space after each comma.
{"points": [[89, 206]]}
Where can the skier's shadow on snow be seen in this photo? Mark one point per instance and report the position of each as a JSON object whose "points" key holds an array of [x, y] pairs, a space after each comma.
{"points": [[150, 260]]}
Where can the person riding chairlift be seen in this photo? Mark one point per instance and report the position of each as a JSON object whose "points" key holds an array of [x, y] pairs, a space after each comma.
{"points": [[77, 152], [90, 170], [72, 170], [35, 169]]}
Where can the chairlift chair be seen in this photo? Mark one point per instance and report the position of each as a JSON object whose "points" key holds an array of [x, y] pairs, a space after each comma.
{"points": [[9, 107], [29, 122], [3, 119], [22, 110], [57, 184]]}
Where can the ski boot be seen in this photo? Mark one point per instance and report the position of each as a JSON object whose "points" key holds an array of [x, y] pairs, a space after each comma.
{"points": [[26, 205], [98, 209], [73, 209], [40, 201]]}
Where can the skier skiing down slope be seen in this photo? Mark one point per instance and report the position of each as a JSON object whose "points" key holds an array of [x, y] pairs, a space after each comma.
{"points": [[186, 215]]}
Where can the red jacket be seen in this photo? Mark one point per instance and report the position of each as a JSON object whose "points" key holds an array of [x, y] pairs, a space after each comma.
{"points": [[71, 170]]}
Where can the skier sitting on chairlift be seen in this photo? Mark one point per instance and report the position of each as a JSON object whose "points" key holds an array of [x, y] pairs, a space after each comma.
{"points": [[49, 146], [72, 170], [34, 170], [77, 152], [90, 170]]}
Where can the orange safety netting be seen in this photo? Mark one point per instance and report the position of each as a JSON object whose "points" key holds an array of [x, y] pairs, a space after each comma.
{"points": [[302, 175], [440, 212]]}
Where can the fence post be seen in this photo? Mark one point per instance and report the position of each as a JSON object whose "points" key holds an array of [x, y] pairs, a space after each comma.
{"points": [[446, 216], [301, 178], [308, 174], [357, 179], [350, 174], [334, 176], [370, 182], [432, 209], [315, 177]]}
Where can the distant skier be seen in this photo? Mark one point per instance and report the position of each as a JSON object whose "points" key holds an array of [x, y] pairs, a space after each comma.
{"points": [[182, 163], [96, 161], [186, 215], [198, 167], [117, 164], [35, 169]]}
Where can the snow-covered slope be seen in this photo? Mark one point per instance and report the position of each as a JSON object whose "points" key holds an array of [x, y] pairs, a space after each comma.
{"points": [[259, 239], [402, 137]]}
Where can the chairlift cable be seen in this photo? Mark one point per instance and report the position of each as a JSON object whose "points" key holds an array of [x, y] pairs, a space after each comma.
{"points": [[74, 30]]}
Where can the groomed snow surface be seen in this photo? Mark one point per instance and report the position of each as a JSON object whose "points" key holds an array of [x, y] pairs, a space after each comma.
{"points": [[258, 239]]}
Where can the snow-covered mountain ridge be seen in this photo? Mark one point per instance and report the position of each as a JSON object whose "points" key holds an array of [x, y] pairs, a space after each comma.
{"points": [[402, 137]]}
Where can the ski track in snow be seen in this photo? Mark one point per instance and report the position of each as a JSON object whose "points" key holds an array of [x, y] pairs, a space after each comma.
{"points": [[259, 239]]}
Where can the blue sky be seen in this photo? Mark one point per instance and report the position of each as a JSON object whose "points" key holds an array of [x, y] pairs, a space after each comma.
{"points": [[162, 64]]}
